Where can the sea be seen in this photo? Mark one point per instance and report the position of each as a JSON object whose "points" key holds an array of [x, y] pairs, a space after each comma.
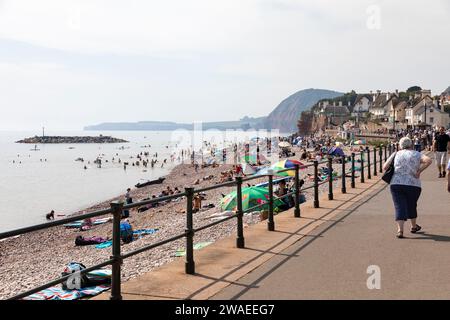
{"points": [[35, 179]]}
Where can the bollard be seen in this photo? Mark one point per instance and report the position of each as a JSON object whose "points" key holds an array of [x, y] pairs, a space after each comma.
{"points": [[316, 184], [240, 242], [116, 209], [369, 174], [189, 264], [362, 167], [330, 178], [344, 187], [270, 222], [353, 184], [375, 161], [297, 192]]}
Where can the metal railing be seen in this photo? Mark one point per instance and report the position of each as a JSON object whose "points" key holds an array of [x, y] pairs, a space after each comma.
{"points": [[117, 207]]}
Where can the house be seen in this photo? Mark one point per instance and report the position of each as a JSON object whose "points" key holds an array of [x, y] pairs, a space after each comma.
{"points": [[433, 115], [336, 114], [362, 104], [383, 104], [445, 98], [424, 110], [398, 112]]}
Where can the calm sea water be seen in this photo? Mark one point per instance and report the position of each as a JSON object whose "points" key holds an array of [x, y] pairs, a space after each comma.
{"points": [[31, 187], [35, 182]]}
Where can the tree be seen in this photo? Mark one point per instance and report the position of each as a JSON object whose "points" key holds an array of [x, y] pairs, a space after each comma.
{"points": [[305, 122], [413, 89]]}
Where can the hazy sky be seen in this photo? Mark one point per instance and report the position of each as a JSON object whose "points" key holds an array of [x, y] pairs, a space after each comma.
{"points": [[66, 64]]}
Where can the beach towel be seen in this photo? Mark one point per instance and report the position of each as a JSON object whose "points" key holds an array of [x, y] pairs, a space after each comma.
{"points": [[142, 232], [136, 233], [56, 293], [104, 245], [78, 224], [197, 246]]}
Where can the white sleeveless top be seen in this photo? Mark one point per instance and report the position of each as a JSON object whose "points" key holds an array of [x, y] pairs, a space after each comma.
{"points": [[406, 165]]}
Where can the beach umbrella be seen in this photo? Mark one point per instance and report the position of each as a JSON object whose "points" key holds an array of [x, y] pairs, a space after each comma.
{"points": [[336, 151], [286, 164], [284, 144], [252, 158], [248, 169], [251, 196], [359, 142]]}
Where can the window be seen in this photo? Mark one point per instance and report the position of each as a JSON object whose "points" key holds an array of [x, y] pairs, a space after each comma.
{"points": [[431, 119]]}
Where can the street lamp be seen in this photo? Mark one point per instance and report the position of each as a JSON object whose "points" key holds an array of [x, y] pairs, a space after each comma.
{"points": [[425, 107], [393, 118]]}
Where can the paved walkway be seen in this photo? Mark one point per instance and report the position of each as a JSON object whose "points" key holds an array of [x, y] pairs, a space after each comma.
{"points": [[323, 255], [332, 262]]}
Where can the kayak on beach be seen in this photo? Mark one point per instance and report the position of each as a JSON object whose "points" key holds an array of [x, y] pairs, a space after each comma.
{"points": [[150, 182]]}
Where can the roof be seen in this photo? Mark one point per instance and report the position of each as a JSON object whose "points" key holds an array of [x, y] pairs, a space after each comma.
{"points": [[337, 110], [359, 97], [418, 100], [422, 109], [382, 100], [399, 104]]}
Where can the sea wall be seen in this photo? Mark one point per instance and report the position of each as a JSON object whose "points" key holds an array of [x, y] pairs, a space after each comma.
{"points": [[71, 139]]}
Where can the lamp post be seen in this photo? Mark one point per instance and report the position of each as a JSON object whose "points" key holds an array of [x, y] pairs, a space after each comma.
{"points": [[393, 124], [425, 107]]}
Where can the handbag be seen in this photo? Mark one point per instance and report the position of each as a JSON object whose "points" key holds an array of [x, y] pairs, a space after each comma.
{"points": [[389, 173]]}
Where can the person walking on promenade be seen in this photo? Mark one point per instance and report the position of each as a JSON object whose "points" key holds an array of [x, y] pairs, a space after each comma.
{"points": [[448, 176], [441, 146], [405, 184]]}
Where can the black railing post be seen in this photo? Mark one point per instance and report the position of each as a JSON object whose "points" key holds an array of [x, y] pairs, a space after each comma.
{"points": [[385, 153], [362, 167], [270, 221], [316, 184], [116, 209], [189, 264], [381, 161], [344, 187], [297, 192], [330, 178], [375, 161], [369, 174], [396, 146], [240, 243], [353, 184]]}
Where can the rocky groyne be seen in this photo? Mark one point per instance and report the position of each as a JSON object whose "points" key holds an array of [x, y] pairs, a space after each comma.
{"points": [[71, 139]]}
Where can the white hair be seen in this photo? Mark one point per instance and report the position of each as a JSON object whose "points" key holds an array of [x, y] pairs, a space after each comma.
{"points": [[405, 143]]}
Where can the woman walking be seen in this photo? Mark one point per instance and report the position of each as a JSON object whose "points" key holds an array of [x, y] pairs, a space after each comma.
{"points": [[405, 183]]}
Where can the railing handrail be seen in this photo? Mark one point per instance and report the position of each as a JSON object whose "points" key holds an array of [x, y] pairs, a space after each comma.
{"points": [[118, 257]]}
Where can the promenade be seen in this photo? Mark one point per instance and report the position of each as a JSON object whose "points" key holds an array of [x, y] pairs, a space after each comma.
{"points": [[332, 262], [322, 255]]}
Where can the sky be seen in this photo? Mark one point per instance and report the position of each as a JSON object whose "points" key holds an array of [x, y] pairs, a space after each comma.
{"points": [[67, 64]]}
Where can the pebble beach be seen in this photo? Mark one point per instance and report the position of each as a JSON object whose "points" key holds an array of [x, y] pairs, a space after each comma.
{"points": [[35, 258]]}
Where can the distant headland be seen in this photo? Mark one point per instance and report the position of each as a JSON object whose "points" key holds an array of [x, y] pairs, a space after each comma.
{"points": [[71, 139]]}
